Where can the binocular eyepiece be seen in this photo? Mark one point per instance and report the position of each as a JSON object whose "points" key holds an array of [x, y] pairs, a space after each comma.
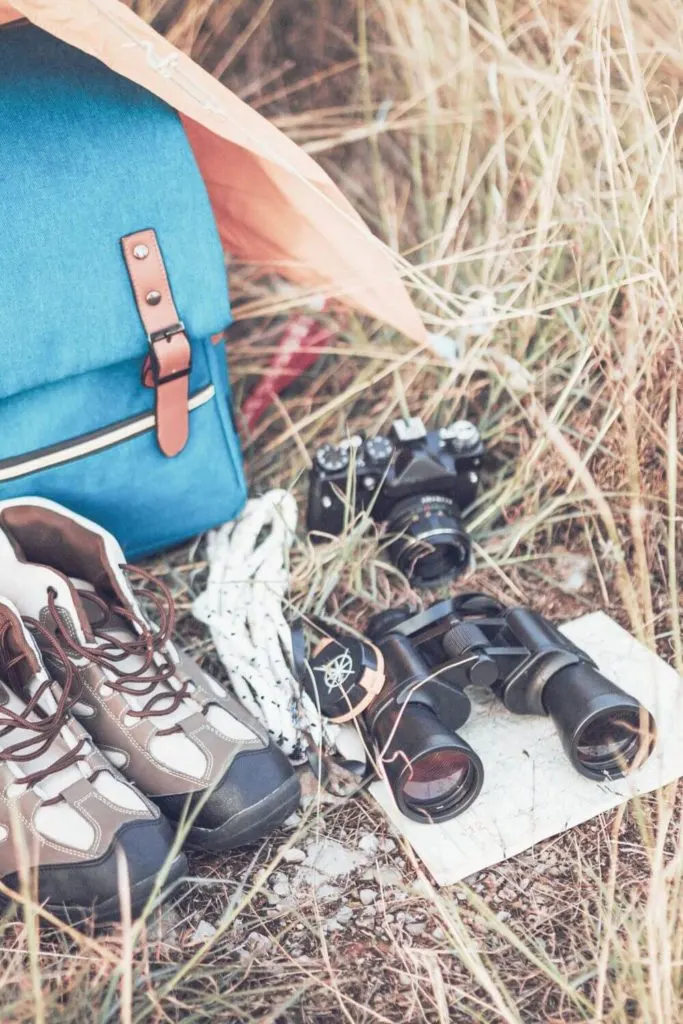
{"points": [[532, 668]]}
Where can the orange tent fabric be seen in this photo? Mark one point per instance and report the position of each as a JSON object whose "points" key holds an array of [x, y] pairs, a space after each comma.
{"points": [[274, 205]]}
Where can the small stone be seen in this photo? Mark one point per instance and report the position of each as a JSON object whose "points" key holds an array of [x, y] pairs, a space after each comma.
{"points": [[418, 928], [203, 931], [281, 889], [438, 934], [503, 915], [369, 843], [387, 845], [328, 892], [344, 915], [367, 896], [294, 856], [389, 877], [257, 941]]}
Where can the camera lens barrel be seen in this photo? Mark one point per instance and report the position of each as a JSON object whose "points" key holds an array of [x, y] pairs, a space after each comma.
{"points": [[432, 544], [605, 731]]}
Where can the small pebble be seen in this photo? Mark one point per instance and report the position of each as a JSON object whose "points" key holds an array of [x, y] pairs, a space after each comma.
{"points": [[327, 892], [367, 896], [389, 877], [369, 843], [294, 856], [344, 915], [258, 941], [418, 928], [203, 931]]}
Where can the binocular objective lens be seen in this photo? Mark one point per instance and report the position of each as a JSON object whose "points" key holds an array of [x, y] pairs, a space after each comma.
{"points": [[437, 776], [610, 741], [604, 729]]}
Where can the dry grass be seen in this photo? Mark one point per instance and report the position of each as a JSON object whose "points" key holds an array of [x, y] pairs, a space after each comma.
{"points": [[530, 151]]}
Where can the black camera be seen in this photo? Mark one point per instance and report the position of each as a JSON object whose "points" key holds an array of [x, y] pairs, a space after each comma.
{"points": [[473, 640], [416, 480]]}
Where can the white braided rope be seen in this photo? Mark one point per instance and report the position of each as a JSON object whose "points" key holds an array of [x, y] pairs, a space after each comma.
{"points": [[243, 608]]}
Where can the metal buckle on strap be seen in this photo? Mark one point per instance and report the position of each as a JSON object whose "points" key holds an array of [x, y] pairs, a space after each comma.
{"points": [[166, 332], [159, 338]]}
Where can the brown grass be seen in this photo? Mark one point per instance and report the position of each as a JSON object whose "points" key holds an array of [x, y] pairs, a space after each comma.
{"points": [[530, 151]]}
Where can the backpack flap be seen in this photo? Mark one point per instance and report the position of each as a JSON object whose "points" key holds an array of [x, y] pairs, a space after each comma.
{"points": [[88, 158]]}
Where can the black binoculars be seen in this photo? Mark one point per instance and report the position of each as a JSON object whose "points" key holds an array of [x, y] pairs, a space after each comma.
{"points": [[473, 640]]}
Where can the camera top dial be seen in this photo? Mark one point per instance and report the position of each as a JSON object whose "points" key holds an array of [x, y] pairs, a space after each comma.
{"points": [[379, 449], [332, 458], [461, 436]]}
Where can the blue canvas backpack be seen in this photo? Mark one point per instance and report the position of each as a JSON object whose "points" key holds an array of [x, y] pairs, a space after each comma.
{"points": [[113, 399]]}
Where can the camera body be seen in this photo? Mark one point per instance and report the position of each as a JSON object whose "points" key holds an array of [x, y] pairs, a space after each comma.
{"points": [[416, 480]]}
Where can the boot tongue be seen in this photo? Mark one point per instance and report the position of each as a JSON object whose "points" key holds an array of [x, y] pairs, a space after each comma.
{"points": [[19, 646], [117, 627], [27, 586]]}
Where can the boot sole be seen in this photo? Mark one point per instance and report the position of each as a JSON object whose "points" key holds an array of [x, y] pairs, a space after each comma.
{"points": [[251, 824], [108, 911]]}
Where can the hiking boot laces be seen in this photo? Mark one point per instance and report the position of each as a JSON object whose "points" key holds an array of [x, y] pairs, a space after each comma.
{"points": [[34, 719], [148, 644]]}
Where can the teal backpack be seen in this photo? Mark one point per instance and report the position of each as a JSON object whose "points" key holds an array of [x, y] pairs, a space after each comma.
{"points": [[114, 400]]}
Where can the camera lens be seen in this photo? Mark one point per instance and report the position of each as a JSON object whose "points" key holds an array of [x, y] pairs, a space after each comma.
{"points": [[432, 544], [610, 741]]}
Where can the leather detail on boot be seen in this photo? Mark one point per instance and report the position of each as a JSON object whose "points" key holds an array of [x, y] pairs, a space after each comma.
{"points": [[252, 778], [87, 882]]}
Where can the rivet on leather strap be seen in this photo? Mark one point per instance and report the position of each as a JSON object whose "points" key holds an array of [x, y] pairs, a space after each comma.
{"points": [[167, 368]]}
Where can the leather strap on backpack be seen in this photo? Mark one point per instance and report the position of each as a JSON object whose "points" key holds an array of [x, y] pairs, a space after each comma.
{"points": [[167, 367]]}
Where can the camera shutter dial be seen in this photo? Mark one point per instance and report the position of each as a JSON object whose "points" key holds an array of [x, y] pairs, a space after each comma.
{"points": [[462, 436], [331, 458], [379, 449]]}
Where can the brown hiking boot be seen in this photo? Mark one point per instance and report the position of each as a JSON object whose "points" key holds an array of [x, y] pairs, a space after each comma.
{"points": [[64, 810], [159, 718]]}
